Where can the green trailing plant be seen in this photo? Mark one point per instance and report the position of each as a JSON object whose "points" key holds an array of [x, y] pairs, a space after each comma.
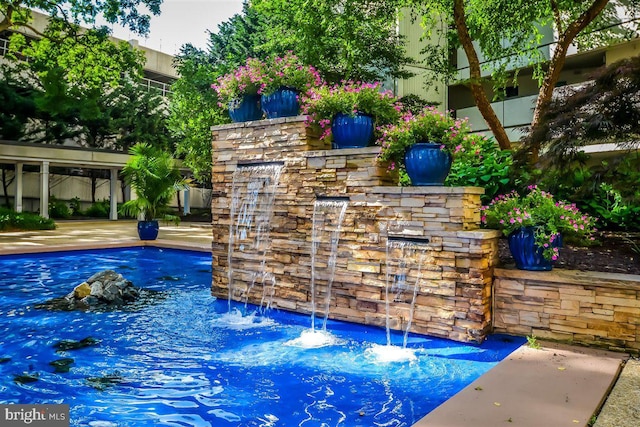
{"points": [[154, 176], [479, 162], [322, 104], [538, 209], [429, 125], [11, 220]]}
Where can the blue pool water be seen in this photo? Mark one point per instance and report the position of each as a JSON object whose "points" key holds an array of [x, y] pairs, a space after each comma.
{"points": [[185, 361]]}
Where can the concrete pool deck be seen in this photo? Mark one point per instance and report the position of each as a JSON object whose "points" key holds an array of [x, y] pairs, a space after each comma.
{"points": [[554, 386]]}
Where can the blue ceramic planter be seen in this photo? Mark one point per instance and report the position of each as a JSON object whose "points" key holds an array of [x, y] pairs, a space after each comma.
{"points": [[427, 164], [525, 252], [352, 132], [281, 103], [245, 109], [148, 230]]}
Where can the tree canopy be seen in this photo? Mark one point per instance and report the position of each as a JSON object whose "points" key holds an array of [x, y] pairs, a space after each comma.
{"points": [[343, 39], [16, 14], [503, 36]]}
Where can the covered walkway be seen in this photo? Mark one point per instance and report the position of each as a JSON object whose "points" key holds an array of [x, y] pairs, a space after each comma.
{"points": [[46, 156]]}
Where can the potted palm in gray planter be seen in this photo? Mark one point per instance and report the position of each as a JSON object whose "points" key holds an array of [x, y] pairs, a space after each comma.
{"points": [[153, 175]]}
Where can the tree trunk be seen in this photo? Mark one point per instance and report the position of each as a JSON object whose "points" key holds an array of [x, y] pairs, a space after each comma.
{"points": [[6, 182], [475, 73], [556, 65]]}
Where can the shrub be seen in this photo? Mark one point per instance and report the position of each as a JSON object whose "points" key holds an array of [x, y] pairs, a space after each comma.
{"points": [[322, 104], [479, 162], [58, 209], [539, 209], [99, 209], [74, 205], [10, 220]]}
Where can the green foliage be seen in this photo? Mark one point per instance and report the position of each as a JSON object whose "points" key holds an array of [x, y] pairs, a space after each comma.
{"points": [[74, 205], [539, 209], [10, 220], [605, 110], [153, 175], [429, 125], [99, 209], [532, 342], [58, 209], [17, 13], [193, 110], [479, 162], [322, 104], [608, 191], [513, 43], [343, 39]]}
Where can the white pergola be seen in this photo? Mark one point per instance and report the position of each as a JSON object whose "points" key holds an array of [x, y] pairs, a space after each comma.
{"points": [[45, 156]]}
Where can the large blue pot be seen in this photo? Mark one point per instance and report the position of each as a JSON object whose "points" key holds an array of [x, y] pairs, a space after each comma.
{"points": [[352, 132], [148, 230], [427, 164], [525, 252], [245, 109], [282, 103]]}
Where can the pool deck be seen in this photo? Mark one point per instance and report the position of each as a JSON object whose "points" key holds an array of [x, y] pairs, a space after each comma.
{"points": [[554, 386]]}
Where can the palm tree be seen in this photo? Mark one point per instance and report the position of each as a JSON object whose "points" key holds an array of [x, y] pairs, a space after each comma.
{"points": [[153, 174]]}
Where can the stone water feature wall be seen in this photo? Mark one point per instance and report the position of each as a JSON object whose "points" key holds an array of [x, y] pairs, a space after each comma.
{"points": [[583, 307], [454, 297]]}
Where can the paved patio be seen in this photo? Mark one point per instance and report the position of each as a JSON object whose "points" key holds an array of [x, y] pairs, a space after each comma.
{"points": [[554, 386]]}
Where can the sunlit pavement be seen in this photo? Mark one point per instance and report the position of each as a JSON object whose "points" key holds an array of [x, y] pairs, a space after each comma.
{"points": [[99, 234]]}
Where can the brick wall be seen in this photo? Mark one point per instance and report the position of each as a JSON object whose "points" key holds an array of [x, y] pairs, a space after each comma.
{"points": [[590, 308], [454, 297]]}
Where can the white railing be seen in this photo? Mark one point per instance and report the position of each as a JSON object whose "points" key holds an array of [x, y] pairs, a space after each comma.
{"points": [[163, 88]]}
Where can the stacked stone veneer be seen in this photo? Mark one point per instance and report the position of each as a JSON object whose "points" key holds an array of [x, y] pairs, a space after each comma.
{"points": [[454, 298], [590, 308]]}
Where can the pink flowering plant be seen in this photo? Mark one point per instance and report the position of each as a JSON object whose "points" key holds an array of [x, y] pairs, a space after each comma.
{"points": [[288, 72], [323, 103], [538, 209], [245, 80], [258, 77], [429, 125]]}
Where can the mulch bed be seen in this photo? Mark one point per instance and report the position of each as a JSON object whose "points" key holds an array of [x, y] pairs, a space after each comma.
{"points": [[618, 252]]}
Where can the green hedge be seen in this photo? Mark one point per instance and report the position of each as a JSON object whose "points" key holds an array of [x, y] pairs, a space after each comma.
{"points": [[11, 220]]}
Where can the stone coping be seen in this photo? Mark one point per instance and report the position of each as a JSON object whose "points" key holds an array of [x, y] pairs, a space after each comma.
{"points": [[160, 243], [257, 123], [563, 276], [480, 234]]}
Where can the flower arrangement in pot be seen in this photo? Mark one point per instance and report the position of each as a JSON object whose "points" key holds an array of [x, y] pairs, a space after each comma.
{"points": [[419, 147], [350, 113], [153, 175], [239, 91], [284, 79], [535, 225]]}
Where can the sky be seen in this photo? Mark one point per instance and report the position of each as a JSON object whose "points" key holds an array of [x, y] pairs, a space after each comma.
{"points": [[183, 21]]}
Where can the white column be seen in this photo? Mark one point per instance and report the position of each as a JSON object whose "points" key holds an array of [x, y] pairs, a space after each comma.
{"points": [[186, 209], [44, 190], [17, 199], [113, 190]]}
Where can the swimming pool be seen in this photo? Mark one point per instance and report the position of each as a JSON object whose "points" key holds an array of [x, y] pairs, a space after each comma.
{"points": [[184, 360]]}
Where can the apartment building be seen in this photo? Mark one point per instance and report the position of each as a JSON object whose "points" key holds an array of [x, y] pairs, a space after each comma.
{"points": [[515, 109]]}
